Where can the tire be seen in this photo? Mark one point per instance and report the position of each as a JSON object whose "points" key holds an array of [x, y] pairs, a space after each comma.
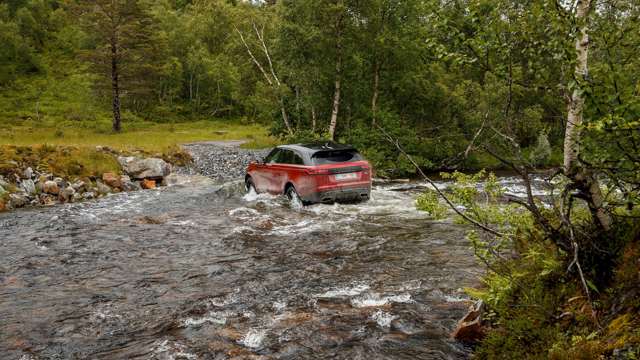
{"points": [[294, 199], [248, 185]]}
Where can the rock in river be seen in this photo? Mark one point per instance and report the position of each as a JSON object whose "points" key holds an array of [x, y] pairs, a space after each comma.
{"points": [[66, 195], [18, 200], [28, 186], [148, 184], [149, 168]]}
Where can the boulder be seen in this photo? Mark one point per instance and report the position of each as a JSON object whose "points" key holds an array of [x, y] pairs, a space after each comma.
{"points": [[470, 328], [102, 188], [28, 186], [149, 168], [27, 173], [112, 180], [17, 200], [148, 184], [66, 195], [128, 185], [51, 187]]}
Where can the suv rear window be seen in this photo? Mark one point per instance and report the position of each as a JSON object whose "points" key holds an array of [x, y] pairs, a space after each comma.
{"points": [[336, 157]]}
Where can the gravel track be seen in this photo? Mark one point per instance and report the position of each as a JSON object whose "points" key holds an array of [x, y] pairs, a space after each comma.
{"points": [[221, 160]]}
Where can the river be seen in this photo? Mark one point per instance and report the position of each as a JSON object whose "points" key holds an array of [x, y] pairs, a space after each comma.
{"points": [[200, 270]]}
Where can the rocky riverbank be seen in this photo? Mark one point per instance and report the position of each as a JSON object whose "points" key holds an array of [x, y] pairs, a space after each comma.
{"points": [[49, 176]]}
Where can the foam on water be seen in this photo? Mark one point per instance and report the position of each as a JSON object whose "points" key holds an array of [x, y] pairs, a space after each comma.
{"points": [[346, 291], [375, 300], [217, 318], [253, 338], [383, 319]]}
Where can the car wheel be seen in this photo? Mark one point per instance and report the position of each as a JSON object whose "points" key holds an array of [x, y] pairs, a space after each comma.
{"points": [[249, 186], [294, 199]]}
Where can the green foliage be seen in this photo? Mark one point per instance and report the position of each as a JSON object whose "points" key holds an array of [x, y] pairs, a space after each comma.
{"points": [[429, 201]]}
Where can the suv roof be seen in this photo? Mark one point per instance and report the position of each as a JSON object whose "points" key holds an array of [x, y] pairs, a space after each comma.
{"points": [[312, 148]]}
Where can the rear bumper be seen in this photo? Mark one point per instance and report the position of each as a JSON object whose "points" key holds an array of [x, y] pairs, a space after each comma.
{"points": [[346, 194]]}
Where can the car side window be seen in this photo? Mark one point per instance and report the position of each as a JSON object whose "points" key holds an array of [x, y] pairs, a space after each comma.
{"points": [[272, 157], [284, 157], [297, 160]]}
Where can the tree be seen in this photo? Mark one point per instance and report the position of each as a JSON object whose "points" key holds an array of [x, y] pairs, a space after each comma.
{"points": [[121, 30]]}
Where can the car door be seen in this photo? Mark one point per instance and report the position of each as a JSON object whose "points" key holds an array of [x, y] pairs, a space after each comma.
{"points": [[263, 174], [278, 171]]}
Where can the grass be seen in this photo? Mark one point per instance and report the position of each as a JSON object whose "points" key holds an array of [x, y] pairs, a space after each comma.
{"points": [[147, 136]]}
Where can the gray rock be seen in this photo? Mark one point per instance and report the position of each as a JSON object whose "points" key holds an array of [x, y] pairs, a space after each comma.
{"points": [[66, 195], [102, 188], [128, 185], [28, 173], [60, 181], [28, 186], [79, 186], [88, 195], [18, 200], [149, 168], [221, 161]]}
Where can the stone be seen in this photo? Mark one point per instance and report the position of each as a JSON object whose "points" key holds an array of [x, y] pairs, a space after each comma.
{"points": [[28, 186], [88, 195], [102, 188], [148, 184], [66, 195], [128, 185], [3, 206], [51, 187], [470, 328], [27, 173], [60, 181], [17, 200], [79, 186], [47, 200], [140, 168], [112, 180], [2, 190]]}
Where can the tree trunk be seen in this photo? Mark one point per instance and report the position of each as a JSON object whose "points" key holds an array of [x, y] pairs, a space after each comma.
{"points": [[374, 98], [576, 102], [586, 182], [115, 86], [313, 119], [338, 82]]}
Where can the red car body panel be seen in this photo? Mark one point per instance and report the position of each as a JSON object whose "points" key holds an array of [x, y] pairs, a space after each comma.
{"points": [[314, 183]]}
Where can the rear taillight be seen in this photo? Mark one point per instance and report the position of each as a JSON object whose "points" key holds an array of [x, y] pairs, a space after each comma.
{"points": [[318, 171]]}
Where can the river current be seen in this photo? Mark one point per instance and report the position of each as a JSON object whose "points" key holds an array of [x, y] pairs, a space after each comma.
{"points": [[200, 270]]}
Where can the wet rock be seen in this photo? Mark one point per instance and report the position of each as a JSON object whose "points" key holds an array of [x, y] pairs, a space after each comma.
{"points": [[470, 328], [148, 184], [149, 168], [102, 188], [27, 173], [3, 206], [17, 200], [88, 195], [28, 186], [112, 180], [66, 195], [51, 187]]}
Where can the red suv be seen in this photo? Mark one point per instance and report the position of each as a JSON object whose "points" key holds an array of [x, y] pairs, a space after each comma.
{"points": [[312, 173]]}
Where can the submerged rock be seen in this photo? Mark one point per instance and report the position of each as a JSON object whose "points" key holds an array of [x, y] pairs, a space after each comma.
{"points": [[102, 188], [149, 168]]}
